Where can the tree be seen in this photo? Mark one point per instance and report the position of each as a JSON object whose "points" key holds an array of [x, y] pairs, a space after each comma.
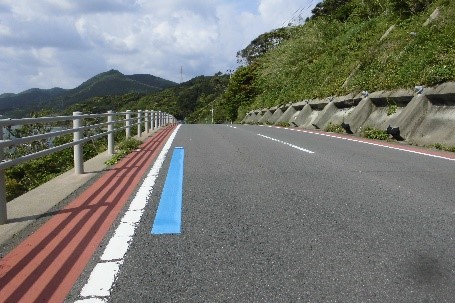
{"points": [[261, 45], [407, 8], [336, 9], [241, 90]]}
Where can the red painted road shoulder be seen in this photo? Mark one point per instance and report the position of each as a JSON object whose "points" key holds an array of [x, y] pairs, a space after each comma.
{"points": [[44, 267]]}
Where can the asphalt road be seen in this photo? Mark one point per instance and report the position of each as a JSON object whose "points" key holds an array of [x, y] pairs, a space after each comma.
{"points": [[274, 215]]}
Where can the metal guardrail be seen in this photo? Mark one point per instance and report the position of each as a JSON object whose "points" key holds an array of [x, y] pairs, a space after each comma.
{"points": [[149, 119]]}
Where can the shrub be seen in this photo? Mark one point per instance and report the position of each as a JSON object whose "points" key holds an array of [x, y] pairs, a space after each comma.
{"points": [[391, 108], [123, 148], [443, 147], [283, 124], [374, 133], [335, 128]]}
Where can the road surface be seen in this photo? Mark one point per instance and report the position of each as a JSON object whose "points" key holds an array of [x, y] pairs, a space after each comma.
{"points": [[280, 215]]}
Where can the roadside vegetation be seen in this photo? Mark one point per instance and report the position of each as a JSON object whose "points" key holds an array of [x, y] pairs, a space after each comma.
{"points": [[26, 176], [347, 46], [443, 147], [335, 128], [374, 133], [123, 148]]}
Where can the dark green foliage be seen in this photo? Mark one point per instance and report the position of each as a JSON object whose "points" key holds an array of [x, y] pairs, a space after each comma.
{"points": [[241, 91], [344, 10], [391, 108], [337, 9], [194, 99], [108, 84], [28, 175], [152, 81], [105, 103], [374, 133], [335, 128], [262, 44], [443, 147], [123, 148], [334, 56], [407, 8], [283, 124], [189, 100], [129, 144]]}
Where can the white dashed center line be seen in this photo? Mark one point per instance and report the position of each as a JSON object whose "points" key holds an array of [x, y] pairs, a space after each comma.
{"points": [[288, 144]]}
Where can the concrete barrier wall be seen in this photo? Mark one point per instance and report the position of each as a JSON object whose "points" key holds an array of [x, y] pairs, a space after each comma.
{"points": [[422, 117]]}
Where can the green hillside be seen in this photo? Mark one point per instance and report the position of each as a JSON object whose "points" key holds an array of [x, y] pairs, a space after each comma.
{"points": [[344, 49], [184, 101], [152, 81], [111, 83]]}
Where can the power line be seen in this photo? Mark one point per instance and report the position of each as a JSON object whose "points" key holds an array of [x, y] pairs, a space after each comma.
{"points": [[296, 17]]}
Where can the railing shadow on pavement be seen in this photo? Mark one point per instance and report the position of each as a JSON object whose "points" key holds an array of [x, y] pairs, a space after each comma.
{"points": [[149, 119]]}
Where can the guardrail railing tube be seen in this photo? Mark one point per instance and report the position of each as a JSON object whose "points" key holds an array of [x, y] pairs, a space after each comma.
{"points": [[3, 215], [110, 136], [139, 123], [128, 124], [78, 153]]}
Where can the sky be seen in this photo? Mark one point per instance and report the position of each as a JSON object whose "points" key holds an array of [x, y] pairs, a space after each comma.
{"points": [[62, 43]]}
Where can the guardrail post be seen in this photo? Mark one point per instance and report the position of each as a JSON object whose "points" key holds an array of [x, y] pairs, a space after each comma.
{"points": [[155, 117], [128, 124], [156, 120], [146, 121], [110, 136], [78, 153], [3, 214], [159, 119], [139, 122], [152, 120]]}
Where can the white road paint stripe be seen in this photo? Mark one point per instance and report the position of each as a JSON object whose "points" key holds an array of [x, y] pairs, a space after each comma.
{"points": [[103, 285], [288, 144], [377, 144], [92, 300], [105, 272]]}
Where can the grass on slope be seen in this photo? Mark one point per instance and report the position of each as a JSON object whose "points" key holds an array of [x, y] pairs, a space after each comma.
{"points": [[329, 57]]}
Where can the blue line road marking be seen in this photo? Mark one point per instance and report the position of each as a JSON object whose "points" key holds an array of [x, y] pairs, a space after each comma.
{"points": [[169, 214]]}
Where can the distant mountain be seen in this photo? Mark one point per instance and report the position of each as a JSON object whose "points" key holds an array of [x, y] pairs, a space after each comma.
{"points": [[109, 83], [152, 81]]}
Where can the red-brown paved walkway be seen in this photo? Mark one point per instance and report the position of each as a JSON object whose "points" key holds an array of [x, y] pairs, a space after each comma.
{"points": [[44, 267]]}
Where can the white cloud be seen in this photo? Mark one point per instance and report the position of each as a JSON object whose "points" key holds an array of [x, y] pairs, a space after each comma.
{"points": [[63, 42]]}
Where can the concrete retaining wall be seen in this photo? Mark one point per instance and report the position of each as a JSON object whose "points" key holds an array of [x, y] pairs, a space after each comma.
{"points": [[424, 117]]}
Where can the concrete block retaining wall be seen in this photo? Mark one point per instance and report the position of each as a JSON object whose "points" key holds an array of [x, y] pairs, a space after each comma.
{"points": [[424, 118]]}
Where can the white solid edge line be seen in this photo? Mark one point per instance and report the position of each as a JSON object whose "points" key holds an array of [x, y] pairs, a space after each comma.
{"points": [[102, 275], [92, 300], [105, 273], [379, 145]]}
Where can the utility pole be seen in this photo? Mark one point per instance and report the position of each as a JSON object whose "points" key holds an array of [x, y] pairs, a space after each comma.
{"points": [[212, 112]]}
